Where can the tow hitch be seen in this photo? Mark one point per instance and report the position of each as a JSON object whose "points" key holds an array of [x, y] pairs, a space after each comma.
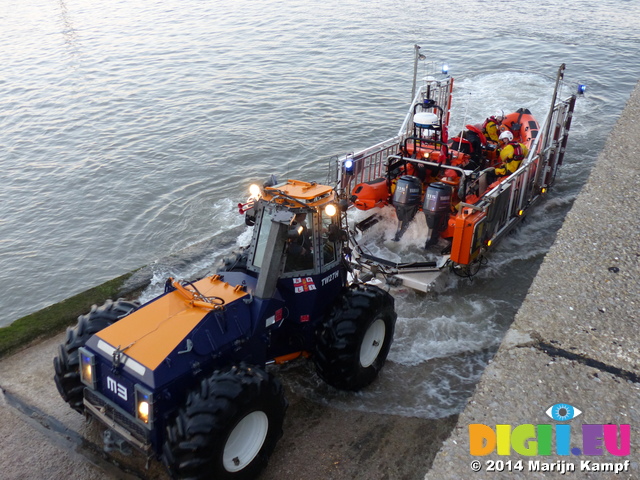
{"points": [[114, 442]]}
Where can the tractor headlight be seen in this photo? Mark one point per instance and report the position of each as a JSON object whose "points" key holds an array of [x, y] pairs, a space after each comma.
{"points": [[330, 210], [144, 406], [143, 411], [87, 367], [255, 191]]}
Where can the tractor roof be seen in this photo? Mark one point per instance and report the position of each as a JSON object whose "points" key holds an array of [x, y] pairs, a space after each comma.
{"points": [[308, 194]]}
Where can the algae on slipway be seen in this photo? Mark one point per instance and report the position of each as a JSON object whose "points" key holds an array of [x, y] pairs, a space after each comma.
{"points": [[55, 318]]}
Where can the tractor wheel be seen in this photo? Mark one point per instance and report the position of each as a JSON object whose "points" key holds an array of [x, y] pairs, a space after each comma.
{"points": [[67, 363], [353, 343], [235, 263], [227, 428]]}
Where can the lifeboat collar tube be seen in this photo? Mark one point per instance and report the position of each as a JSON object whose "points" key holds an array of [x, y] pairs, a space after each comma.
{"points": [[367, 195]]}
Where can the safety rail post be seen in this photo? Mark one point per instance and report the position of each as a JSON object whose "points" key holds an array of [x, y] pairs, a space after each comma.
{"points": [[552, 110], [524, 187], [368, 164], [568, 117]]}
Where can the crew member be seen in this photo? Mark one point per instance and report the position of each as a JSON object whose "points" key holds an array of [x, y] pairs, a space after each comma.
{"points": [[491, 126], [511, 154], [299, 254]]}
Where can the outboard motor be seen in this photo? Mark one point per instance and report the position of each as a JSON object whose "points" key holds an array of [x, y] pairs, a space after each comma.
{"points": [[436, 207], [406, 201]]}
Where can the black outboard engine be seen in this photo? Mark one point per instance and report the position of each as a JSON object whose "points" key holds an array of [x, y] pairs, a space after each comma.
{"points": [[406, 200], [436, 207]]}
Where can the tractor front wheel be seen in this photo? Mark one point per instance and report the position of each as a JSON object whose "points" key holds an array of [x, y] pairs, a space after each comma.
{"points": [[228, 427], [353, 343], [67, 363]]}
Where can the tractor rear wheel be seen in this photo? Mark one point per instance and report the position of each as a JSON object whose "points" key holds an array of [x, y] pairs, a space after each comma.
{"points": [[228, 427], [353, 343], [235, 263], [67, 363]]}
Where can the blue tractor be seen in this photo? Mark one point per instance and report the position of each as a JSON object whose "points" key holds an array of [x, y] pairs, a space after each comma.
{"points": [[183, 377]]}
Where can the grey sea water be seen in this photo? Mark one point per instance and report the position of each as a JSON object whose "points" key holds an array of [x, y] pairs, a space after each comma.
{"points": [[131, 131]]}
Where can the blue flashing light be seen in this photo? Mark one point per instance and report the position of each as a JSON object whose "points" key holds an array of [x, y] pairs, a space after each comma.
{"points": [[445, 68], [348, 166], [581, 89]]}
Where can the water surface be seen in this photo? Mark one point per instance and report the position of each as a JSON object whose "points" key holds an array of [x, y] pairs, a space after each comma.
{"points": [[131, 130]]}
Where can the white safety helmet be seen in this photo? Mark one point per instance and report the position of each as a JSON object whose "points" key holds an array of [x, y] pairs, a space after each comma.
{"points": [[499, 115], [426, 120], [506, 136]]}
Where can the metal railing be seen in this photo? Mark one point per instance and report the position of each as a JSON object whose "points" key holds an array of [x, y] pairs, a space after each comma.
{"points": [[370, 164], [524, 187]]}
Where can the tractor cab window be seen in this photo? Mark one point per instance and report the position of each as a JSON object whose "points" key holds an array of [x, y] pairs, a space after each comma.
{"points": [[263, 235], [328, 246], [299, 250]]}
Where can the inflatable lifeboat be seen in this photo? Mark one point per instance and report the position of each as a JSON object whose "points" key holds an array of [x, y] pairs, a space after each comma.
{"points": [[459, 184], [426, 174]]}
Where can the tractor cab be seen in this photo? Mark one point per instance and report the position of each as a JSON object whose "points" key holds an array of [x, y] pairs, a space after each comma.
{"points": [[311, 217], [296, 255]]}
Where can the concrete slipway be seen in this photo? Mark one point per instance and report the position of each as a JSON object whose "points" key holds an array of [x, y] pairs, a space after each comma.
{"points": [[575, 340], [576, 337]]}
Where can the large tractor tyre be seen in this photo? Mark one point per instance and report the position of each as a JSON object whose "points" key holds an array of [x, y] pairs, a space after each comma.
{"points": [[353, 343], [235, 263], [67, 363], [228, 427]]}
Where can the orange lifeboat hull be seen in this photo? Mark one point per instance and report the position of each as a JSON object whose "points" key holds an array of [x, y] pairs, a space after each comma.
{"points": [[368, 195]]}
